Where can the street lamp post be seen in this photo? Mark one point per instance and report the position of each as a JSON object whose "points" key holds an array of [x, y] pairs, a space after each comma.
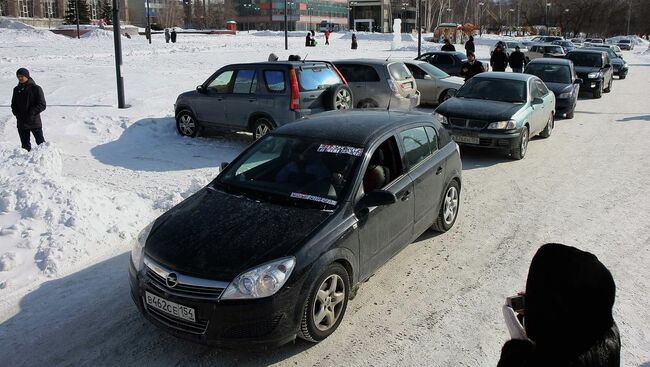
{"points": [[286, 27], [546, 8], [149, 20], [352, 9], [418, 20], [566, 21], [512, 23], [480, 19]]}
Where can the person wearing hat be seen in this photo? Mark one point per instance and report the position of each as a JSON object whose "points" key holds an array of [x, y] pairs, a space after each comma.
{"points": [[471, 67], [27, 103], [517, 60], [499, 59]]}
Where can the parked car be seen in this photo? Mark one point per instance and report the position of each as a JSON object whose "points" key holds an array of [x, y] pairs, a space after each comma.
{"points": [[435, 86], [279, 242], [380, 83], [542, 39], [578, 42], [595, 70], [544, 50], [617, 50], [260, 97], [560, 77], [509, 47], [500, 111], [448, 61], [594, 41], [620, 66], [625, 44], [566, 45]]}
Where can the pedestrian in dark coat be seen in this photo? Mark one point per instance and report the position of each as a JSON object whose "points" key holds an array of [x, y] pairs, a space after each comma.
{"points": [[567, 313], [167, 35], [469, 45], [517, 60], [308, 40], [499, 59], [354, 41], [448, 46], [27, 103], [471, 67], [173, 36]]}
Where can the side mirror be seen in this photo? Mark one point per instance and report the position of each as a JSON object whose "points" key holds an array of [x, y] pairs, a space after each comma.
{"points": [[427, 77], [537, 100], [376, 198], [578, 81], [224, 165], [199, 88]]}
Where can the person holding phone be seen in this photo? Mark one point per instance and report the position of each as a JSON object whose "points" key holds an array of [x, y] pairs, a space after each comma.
{"points": [[564, 318]]}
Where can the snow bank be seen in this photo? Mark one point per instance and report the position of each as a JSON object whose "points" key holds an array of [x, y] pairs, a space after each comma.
{"points": [[50, 224], [369, 36], [28, 35], [98, 33], [13, 24]]}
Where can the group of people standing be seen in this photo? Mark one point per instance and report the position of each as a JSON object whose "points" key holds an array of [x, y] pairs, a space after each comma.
{"points": [[170, 35], [310, 40], [499, 60]]}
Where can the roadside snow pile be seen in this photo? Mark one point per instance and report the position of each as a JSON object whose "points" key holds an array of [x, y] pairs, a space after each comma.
{"points": [[98, 33], [28, 35], [12, 24], [50, 224]]}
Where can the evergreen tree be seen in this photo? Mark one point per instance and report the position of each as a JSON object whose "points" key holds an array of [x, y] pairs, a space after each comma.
{"points": [[106, 11], [71, 16]]}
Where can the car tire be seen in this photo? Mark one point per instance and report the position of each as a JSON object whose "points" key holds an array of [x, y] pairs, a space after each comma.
{"points": [[609, 86], [522, 145], [448, 208], [569, 115], [445, 95], [327, 300], [599, 93], [261, 126], [186, 124], [339, 98], [367, 103], [550, 124], [622, 76]]}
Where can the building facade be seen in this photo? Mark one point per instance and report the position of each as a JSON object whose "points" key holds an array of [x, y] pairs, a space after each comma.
{"points": [[378, 15], [51, 9], [302, 15]]}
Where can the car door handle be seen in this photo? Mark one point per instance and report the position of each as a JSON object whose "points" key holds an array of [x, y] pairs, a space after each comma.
{"points": [[405, 195], [439, 171]]}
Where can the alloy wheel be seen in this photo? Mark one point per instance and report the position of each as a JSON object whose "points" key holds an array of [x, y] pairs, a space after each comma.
{"points": [[187, 125], [524, 142], [261, 130], [343, 99], [451, 205], [329, 302]]}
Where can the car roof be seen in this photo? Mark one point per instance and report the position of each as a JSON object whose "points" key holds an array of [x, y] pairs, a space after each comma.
{"points": [[587, 50], [367, 61], [283, 62], [505, 76], [462, 55], [358, 127], [549, 60]]}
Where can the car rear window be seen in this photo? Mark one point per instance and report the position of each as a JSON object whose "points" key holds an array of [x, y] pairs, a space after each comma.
{"points": [[318, 77], [275, 81], [550, 73], [399, 71], [555, 49], [358, 73]]}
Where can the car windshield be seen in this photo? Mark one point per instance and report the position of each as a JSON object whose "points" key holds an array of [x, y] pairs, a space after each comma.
{"points": [[586, 59], [503, 90], [624, 41], [293, 170], [550, 73], [433, 71]]}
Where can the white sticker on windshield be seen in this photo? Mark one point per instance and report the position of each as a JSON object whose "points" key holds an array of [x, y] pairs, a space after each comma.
{"points": [[339, 149], [313, 198]]}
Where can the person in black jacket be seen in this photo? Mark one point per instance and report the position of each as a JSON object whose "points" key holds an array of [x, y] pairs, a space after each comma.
{"points": [[499, 59], [448, 46], [471, 67], [27, 103], [469, 45], [517, 60], [567, 313], [173, 35]]}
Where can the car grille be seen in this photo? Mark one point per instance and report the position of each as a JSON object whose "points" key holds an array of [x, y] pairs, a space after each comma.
{"points": [[198, 327], [183, 290], [468, 123], [254, 330]]}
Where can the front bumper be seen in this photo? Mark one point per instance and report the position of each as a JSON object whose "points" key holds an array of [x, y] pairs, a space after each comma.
{"points": [[590, 85], [267, 322], [621, 71], [508, 139], [563, 105]]}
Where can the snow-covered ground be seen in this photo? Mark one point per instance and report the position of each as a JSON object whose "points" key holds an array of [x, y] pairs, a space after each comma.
{"points": [[70, 209]]}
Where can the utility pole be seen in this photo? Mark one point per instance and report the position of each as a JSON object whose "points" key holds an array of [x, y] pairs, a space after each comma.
{"points": [[149, 20], [76, 14], [418, 22], [286, 27], [118, 54], [629, 16]]}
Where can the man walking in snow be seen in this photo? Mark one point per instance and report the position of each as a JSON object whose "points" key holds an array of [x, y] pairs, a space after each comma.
{"points": [[173, 35], [327, 37], [167, 35], [517, 60], [27, 103], [499, 59]]}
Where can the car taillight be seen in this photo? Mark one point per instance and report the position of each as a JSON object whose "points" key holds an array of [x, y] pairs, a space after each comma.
{"points": [[295, 92], [340, 75]]}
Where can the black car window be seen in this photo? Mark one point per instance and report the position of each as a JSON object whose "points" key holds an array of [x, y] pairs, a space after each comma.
{"points": [[275, 81], [222, 83], [550, 73], [416, 145], [355, 73], [313, 78], [444, 60], [399, 71], [503, 90], [416, 71], [433, 138], [384, 167], [245, 82]]}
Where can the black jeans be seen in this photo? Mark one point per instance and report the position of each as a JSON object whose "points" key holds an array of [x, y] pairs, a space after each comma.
{"points": [[25, 139]]}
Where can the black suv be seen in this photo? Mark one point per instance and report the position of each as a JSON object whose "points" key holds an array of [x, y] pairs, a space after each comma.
{"points": [[595, 70], [259, 97]]}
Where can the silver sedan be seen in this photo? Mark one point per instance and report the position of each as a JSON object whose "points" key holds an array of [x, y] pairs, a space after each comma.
{"points": [[435, 86]]}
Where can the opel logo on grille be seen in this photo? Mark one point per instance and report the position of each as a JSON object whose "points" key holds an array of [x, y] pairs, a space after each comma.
{"points": [[171, 280]]}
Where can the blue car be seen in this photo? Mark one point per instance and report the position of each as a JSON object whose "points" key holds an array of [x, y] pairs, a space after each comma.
{"points": [[559, 75]]}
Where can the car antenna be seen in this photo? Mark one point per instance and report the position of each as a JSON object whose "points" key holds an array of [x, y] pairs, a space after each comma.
{"points": [[388, 57], [304, 59]]}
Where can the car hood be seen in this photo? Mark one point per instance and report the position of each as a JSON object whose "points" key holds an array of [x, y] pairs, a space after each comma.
{"points": [[586, 69], [452, 82], [478, 109], [559, 88], [217, 235]]}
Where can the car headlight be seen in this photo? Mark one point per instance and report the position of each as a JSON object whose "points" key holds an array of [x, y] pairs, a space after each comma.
{"points": [[137, 251], [442, 119], [262, 281], [503, 125], [593, 75], [564, 95]]}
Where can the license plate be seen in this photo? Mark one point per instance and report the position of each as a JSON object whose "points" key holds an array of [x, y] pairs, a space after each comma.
{"points": [[465, 139], [170, 308]]}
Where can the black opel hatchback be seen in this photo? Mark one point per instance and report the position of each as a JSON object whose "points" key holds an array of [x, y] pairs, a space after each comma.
{"points": [[278, 243]]}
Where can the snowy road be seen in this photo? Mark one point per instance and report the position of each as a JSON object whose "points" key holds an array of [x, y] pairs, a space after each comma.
{"points": [[437, 303]]}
